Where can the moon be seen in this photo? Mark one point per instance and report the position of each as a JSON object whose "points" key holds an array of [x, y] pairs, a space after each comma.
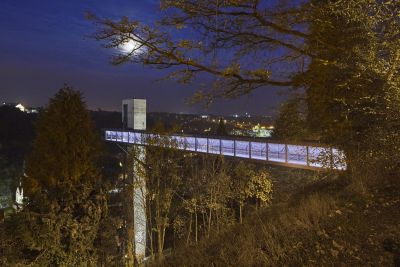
{"points": [[131, 45]]}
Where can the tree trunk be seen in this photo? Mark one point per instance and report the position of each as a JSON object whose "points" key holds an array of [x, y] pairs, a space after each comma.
{"points": [[160, 242], [195, 210], [204, 220], [217, 219], [209, 223], [150, 228], [240, 214], [190, 230]]}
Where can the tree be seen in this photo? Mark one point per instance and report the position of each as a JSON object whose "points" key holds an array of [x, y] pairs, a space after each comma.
{"points": [[65, 202], [9, 179], [249, 183], [260, 187], [204, 206], [352, 86], [192, 195], [163, 178], [158, 178], [242, 174], [237, 31], [221, 130], [290, 124], [216, 193]]}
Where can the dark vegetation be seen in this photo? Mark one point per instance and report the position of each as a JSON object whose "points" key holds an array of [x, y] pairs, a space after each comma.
{"points": [[324, 223], [66, 201], [16, 134]]}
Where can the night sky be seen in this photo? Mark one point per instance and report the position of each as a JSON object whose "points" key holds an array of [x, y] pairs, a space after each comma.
{"points": [[46, 43]]}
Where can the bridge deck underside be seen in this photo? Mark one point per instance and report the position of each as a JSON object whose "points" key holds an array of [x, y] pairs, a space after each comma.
{"points": [[291, 155]]}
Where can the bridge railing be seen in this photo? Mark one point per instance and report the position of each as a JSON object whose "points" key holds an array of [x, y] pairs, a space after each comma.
{"points": [[295, 155]]}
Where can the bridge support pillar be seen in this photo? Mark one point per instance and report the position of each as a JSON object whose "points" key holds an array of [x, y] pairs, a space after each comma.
{"points": [[139, 205], [134, 117]]}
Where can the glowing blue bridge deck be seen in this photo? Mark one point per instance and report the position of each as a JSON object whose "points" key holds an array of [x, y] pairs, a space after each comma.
{"points": [[309, 156]]}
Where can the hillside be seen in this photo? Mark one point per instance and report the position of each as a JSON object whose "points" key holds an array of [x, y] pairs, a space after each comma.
{"points": [[326, 223]]}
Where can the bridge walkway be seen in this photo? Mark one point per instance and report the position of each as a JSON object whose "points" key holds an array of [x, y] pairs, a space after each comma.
{"points": [[306, 156]]}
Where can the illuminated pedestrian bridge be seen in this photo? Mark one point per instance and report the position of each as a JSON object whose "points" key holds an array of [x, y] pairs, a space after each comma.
{"points": [[304, 155], [294, 155]]}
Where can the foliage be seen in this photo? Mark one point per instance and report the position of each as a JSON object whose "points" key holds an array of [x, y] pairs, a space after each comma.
{"points": [[9, 178], [352, 86], [241, 176], [107, 247], [325, 224], [260, 187], [291, 123], [64, 199], [215, 192], [158, 176]]}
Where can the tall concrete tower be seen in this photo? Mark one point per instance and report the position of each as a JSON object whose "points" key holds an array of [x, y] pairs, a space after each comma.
{"points": [[134, 114], [134, 117]]}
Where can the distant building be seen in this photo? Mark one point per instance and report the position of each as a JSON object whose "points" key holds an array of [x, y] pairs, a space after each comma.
{"points": [[21, 107], [14, 105], [261, 131], [19, 196], [32, 110]]}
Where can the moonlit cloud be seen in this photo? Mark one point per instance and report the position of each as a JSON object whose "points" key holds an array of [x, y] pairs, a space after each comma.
{"points": [[133, 47]]}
